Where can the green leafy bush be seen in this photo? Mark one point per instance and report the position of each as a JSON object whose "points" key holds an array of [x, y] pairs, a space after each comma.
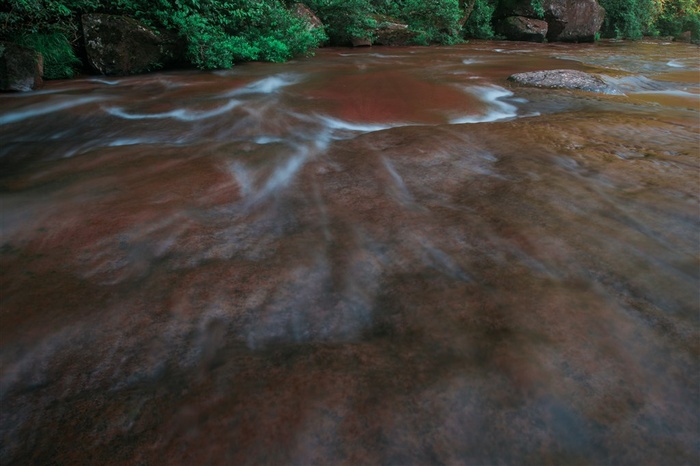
{"points": [[437, 20], [629, 19], [679, 16], [219, 33], [345, 19], [478, 24], [60, 60], [538, 7], [50, 27], [633, 19]]}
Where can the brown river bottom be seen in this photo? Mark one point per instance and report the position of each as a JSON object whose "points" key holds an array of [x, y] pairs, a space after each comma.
{"points": [[377, 256]]}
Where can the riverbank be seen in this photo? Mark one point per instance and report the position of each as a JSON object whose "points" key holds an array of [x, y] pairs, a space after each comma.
{"points": [[134, 36]]}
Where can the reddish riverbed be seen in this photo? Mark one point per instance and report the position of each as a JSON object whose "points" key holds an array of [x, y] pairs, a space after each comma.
{"points": [[371, 256]]}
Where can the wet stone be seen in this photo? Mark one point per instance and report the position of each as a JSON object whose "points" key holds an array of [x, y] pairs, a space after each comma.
{"points": [[564, 79]]}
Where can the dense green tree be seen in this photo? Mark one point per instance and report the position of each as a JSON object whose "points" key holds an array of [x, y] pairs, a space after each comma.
{"points": [[478, 24], [633, 19], [219, 33], [49, 26], [630, 18], [678, 16], [345, 19], [436, 20]]}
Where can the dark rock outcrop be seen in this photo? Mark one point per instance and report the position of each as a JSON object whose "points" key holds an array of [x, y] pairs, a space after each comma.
{"points": [[567, 20], [573, 20], [21, 68], [304, 12], [684, 37], [564, 79], [361, 42], [522, 28], [394, 33], [117, 45]]}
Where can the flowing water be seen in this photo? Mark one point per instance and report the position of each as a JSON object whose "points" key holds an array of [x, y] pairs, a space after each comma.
{"points": [[371, 256]]}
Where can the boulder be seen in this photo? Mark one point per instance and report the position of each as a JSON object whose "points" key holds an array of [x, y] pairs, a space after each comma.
{"points": [[361, 42], [304, 12], [564, 79], [312, 21], [684, 37], [573, 20], [21, 68], [522, 28], [567, 20], [394, 33], [117, 45]]}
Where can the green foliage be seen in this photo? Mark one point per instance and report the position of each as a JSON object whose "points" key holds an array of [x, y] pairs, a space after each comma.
{"points": [[219, 33], [20, 17], [679, 16], [538, 7], [629, 19], [48, 26], [437, 20], [345, 19], [59, 57], [633, 19], [478, 24]]}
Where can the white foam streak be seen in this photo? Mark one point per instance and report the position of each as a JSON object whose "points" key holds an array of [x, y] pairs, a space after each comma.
{"points": [[180, 114], [674, 92], [284, 174], [280, 178], [262, 140], [267, 85], [244, 181], [104, 81], [132, 142], [336, 124], [491, 95], [403, 194], [43, 109], [675, 64]]}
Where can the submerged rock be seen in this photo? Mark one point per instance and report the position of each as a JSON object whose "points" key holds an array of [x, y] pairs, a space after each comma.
{"points": [[117, 45], [21, 68], [523, 28], [564, 79]]}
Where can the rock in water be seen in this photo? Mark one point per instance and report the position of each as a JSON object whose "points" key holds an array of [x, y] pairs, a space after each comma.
{"points": [[20, 68], [564, 79], [117, 45]]}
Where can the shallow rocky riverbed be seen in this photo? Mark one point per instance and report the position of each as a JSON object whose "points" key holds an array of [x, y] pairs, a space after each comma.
{"points": [[377, 256]]}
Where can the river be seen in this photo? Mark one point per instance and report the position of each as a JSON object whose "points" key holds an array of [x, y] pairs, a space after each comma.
{"points": [[371, 256]]}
